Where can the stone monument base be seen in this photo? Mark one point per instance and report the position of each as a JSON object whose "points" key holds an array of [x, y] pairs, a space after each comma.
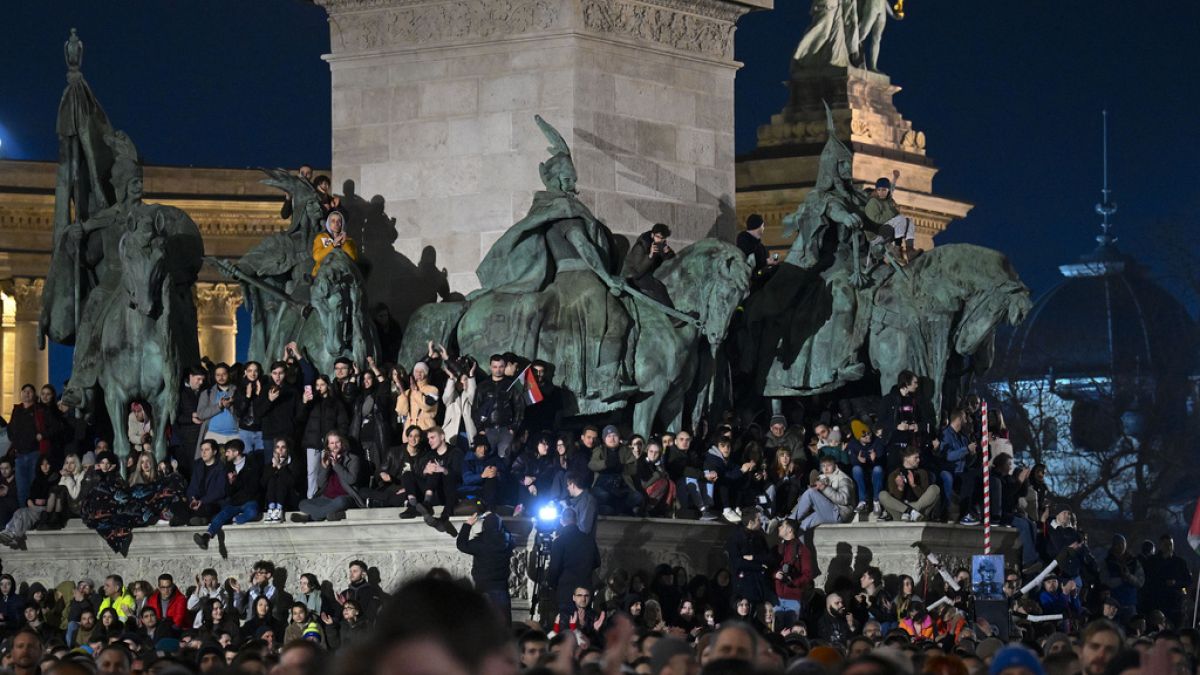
{"points": [[399, 549], [899, 548]]}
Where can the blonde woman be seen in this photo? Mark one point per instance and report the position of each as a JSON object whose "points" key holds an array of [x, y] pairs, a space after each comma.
{"points": [[64, 497], [145, 471]]}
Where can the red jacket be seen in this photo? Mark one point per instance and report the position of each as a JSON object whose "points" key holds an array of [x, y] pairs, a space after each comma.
{"points": [[176, 609], [800, 575]]}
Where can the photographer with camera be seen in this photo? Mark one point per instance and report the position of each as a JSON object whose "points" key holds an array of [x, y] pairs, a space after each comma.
{"points": [[491, 554], [794, 573], [498, 407]]}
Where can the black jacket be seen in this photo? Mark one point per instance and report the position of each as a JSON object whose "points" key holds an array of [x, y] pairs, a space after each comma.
{"points": [[749, 576], [574, 556], [498, 403], [639, 263], [891, 412], [368, 596], [246, 484], [246, 408], [834, 629], [322, 415], [491, 553], [279, 417], [22, 429]]}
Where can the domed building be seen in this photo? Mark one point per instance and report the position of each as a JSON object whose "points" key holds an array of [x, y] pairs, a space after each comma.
{"points": [[1096, 380]]}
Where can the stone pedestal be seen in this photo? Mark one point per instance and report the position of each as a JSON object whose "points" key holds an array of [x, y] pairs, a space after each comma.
{"points": [[899, 548], [433, 106], [774, 178], [216, 316], [31, 365]]}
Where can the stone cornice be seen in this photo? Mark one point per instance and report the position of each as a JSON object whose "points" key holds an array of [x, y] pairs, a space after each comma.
{"points": [[703, 27]]}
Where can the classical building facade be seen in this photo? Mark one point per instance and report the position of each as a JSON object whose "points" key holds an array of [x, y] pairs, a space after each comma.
{"points": [[233, 210]]}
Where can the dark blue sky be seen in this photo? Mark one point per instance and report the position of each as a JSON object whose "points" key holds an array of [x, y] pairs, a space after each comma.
{"points": [[1008, 93]]}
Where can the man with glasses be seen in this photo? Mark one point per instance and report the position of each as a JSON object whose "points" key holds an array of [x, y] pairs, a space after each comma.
{"points": [[580, 616], [168, 603]]}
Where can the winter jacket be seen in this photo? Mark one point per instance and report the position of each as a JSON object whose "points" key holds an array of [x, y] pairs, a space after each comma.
{"points": [[490, 553], [246, 485], [954, 449], [175, 611], [208, 483], [460, 405], [348, 470], [792, 440], [840, 491], [321, 415], [472, 471], [22, 430], [368, 596], [419, 405], [371, 418], [498, 403], [749, 576], [279, 418], [801, 569]]}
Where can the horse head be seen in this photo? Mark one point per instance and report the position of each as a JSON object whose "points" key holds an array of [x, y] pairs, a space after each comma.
{"points": [[710, 278], [1007, 300], [142, 250]]}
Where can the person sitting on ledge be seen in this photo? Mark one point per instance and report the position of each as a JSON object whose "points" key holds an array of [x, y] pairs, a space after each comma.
{"points": [[205, 490], [441, 471], [337, 483], [244, 474], [910, 495], [827, 499], [334, 237]]}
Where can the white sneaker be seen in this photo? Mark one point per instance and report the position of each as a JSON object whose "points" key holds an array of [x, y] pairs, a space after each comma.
{"points": [[731, 515], [906, 516], [877, 509], [862, 506], [917, 517]]}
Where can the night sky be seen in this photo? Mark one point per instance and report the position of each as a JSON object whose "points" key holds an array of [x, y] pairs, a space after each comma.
{"points": [[1008, 93]]}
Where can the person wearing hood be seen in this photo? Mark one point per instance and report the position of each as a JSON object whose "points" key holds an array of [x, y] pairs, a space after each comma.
{"points": [[332, 238], [491, 554], [482, 471], [827, 500]]}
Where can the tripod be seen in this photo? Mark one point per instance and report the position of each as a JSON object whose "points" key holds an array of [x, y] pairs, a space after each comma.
{"points": [[539, 562]]}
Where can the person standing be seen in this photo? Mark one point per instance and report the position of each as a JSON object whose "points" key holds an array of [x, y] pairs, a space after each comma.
{"points": [[574, 558], [278, 411], [491, 554], [794, 573], [215, 411], [25, 432], [747, 550], [247, 402], [185, 436], [499, 406]]}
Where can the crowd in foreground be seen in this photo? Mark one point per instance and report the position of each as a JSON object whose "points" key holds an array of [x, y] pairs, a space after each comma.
{"points": [[662, 623]]}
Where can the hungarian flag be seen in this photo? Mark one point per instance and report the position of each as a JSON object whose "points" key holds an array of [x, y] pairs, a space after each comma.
{"points": [[1194, 530], [533, 393]]}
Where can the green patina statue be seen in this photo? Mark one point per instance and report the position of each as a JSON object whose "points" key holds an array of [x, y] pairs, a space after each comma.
{"points": [[120, 284], [549, 292], [323, 309], [835, 293]]}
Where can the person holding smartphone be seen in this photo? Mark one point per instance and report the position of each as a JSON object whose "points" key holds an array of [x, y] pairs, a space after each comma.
{"points": [[649, 253]]}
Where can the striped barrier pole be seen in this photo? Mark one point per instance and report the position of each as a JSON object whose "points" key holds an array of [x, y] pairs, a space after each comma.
{"points": [[987, 485]]}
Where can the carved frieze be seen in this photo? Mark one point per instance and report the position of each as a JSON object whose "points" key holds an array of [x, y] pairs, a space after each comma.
{"points": [[403, 24], [662, 22]]}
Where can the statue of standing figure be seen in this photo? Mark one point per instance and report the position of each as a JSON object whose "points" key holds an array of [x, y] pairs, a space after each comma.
{"points": [[839, 31], [120, 284]]}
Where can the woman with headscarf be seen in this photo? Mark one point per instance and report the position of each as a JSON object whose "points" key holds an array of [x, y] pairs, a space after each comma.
{"points": [[333, 238]]}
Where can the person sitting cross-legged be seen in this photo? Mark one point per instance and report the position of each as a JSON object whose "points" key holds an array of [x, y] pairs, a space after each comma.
{"points": [[337, 483], [827, 500], [910, 494], [244, 475]]}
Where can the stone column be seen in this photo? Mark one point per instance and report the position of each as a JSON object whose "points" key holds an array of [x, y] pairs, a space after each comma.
{"points": [[216, 318], [433, 106], [32, 365], [8, 349]]}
